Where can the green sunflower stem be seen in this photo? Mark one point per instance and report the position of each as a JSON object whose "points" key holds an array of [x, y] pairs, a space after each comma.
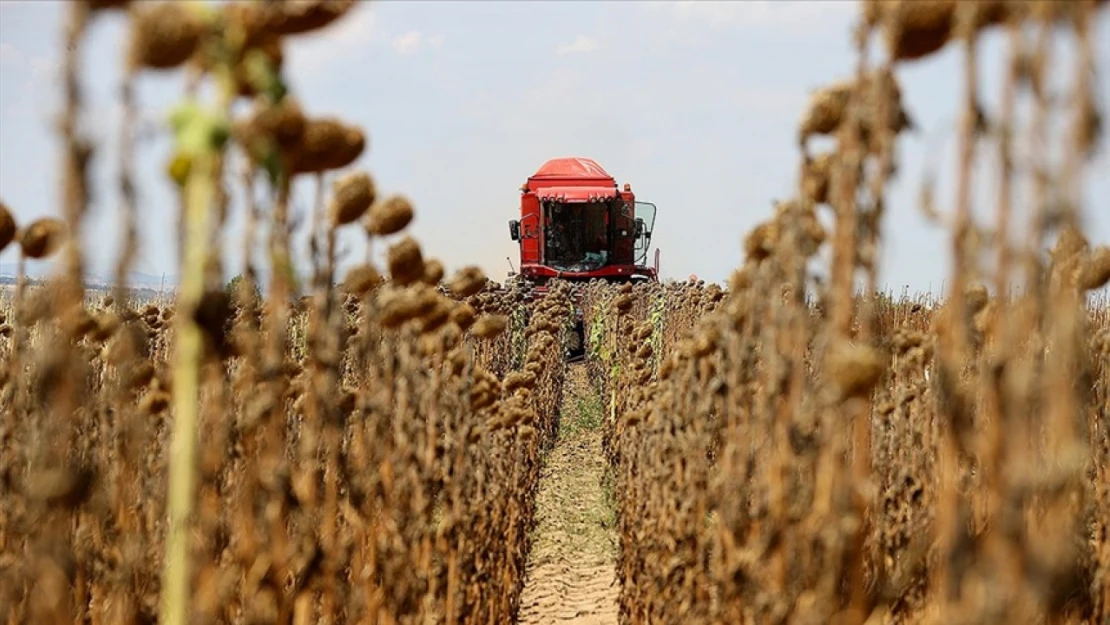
{"points": [[200, 193]]}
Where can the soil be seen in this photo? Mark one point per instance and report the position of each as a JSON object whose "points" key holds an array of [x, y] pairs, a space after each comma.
{"points": [[571, 575]]}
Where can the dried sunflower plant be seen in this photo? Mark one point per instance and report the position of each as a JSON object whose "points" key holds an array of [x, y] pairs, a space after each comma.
{"points": [[354, 450], [802, 451], [367, 449]]}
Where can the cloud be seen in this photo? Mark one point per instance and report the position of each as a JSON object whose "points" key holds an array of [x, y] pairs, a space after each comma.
{"points": [[39, 67], [407, 43], [334, 44], [796, 18], [44, 68], [410, 42], [582, 44], [33, 81], [9, 54]]}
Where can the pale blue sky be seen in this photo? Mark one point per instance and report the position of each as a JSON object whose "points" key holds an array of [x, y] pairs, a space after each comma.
{"points": [[695, 104]]}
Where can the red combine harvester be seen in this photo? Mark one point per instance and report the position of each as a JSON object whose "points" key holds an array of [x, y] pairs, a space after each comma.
{"points": [[576, 224]]}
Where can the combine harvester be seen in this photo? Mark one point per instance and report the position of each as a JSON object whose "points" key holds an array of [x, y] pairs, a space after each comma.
{"points": [[577, 225]]}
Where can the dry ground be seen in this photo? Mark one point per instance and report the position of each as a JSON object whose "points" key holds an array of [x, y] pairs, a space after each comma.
{"points": [[571, 575]]}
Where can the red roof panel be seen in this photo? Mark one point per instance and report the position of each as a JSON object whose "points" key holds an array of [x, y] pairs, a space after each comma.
{"points": [[572, 167]]}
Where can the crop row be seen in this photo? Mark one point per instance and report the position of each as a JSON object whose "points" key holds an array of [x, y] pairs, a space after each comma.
{"points": [[360, 453], [801, 450]]}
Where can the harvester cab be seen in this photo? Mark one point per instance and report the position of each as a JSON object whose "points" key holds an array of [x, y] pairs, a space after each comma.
{"points": [[577, 224]]}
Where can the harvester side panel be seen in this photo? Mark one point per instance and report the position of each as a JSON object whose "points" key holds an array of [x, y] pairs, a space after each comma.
{"points": [[624, 228], [531, 231]]}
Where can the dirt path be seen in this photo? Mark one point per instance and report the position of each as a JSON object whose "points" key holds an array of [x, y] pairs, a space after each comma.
{"points": [[571, 574]]}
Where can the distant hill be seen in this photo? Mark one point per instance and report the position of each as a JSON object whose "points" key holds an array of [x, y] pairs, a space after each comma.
{"points": [[38, 270], [35, 269], [138, 280]]}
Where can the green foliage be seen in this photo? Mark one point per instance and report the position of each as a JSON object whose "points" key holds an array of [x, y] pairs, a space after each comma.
{"points": [[236, 285], [588, 415], [597, 347], [518, 323]]}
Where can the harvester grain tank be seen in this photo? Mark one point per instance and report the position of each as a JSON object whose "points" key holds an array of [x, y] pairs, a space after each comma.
{"points": [[577, 224]]}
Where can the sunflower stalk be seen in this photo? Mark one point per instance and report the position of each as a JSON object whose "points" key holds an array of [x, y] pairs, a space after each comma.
{"points": [[201, 137]]}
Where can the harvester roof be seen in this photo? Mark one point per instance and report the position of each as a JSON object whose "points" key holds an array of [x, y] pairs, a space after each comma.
{"points": [[573, 167]]}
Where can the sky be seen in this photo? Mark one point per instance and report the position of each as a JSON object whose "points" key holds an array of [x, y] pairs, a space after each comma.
{"points": [[696, 104]]}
